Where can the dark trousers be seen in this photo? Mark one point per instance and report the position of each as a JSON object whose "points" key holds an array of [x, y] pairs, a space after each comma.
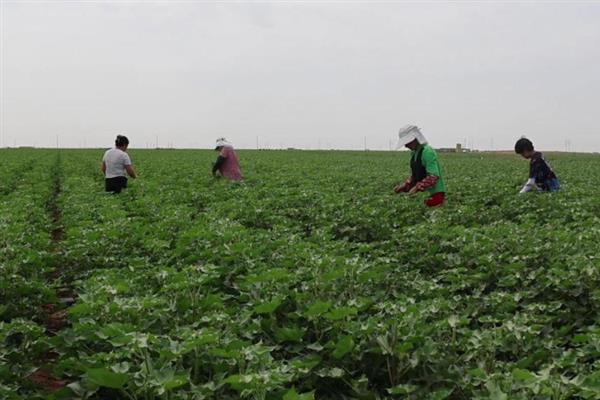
{"points": [[115, 185]]}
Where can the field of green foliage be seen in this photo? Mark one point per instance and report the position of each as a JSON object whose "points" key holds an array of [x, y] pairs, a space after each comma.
{"points": [[310, 280]]}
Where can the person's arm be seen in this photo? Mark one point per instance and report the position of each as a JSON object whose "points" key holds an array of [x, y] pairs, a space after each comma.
{"points": [[103, 168], [131, 171], [129, 166], [534, 170], [218, 164], [529, 186], [425, 184], [405, 187]]}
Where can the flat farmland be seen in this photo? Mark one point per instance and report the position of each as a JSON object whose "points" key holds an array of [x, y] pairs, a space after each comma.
{"points": [[309, 280]]}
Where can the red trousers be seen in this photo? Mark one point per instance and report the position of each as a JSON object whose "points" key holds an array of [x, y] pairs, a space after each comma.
{"points": [[436, 199]]}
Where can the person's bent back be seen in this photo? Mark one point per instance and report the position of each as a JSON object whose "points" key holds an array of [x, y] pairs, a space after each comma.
{"points": [[116, 165], [227, 164]]}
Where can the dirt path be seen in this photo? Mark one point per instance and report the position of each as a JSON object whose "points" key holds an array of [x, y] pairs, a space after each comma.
{"points": [[55, 314]]}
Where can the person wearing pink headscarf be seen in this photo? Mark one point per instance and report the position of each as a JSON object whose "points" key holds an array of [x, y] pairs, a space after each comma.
{"points": [[227, 164]]}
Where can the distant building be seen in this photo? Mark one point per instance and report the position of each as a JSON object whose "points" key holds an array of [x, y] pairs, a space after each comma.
{"points": [[458, 149]]}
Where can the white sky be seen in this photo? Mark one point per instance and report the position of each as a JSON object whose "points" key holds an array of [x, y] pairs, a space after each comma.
{"points": [[303, 74]]}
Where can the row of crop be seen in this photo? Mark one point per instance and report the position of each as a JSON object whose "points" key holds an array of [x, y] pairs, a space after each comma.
{"points": [[14, 169], [26, 260], [113, 248]]}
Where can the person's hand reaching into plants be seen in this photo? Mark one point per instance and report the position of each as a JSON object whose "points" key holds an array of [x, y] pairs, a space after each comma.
{"points": [[401, 188]]}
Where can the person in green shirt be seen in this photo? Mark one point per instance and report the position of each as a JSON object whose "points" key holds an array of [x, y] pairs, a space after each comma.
{"points": [[426, 171]]}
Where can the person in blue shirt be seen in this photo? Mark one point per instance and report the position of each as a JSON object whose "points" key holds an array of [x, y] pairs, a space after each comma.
{"points": [[541, 175]]}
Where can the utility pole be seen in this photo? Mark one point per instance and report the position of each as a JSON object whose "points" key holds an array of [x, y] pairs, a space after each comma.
{"points": [[257, 143], [365, 143], [157, 141], [57, 141]]}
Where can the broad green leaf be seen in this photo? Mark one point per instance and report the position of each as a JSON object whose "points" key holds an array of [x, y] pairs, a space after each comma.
{"points": [[402, 389], [441, 394], [318, 308], [580, 338], [592, 382], [269, 307], [233, 379], [340, 313], [293, 395], [80, 309], [106, 378], [289, 334], [306, 364], [343, 347], [333, 275], [495, 393], [477, 373], [239, 382], [523, 375], [175, 382]]}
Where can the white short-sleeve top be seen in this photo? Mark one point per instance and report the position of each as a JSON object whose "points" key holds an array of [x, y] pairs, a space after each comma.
{"points": [[116, 160]]}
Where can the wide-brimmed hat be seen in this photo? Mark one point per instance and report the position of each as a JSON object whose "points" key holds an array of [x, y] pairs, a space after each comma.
{"points": [[222, 142], [409, 133]]}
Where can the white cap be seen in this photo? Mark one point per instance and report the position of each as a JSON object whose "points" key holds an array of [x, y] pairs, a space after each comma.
{"points": [[222, 142], [409, 133]]}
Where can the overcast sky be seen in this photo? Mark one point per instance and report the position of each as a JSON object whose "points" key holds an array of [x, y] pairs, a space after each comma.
{"points": [[300, 74]]}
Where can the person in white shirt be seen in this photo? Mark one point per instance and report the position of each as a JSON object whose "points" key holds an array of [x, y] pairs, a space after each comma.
{"points": [[116, 165]]}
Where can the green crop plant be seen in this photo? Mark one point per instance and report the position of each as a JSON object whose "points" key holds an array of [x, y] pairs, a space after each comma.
{"points": [[309, 280]]}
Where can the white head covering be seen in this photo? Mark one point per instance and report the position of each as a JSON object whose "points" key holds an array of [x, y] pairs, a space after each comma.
{"points": [[222, 142], [409, 133]]}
